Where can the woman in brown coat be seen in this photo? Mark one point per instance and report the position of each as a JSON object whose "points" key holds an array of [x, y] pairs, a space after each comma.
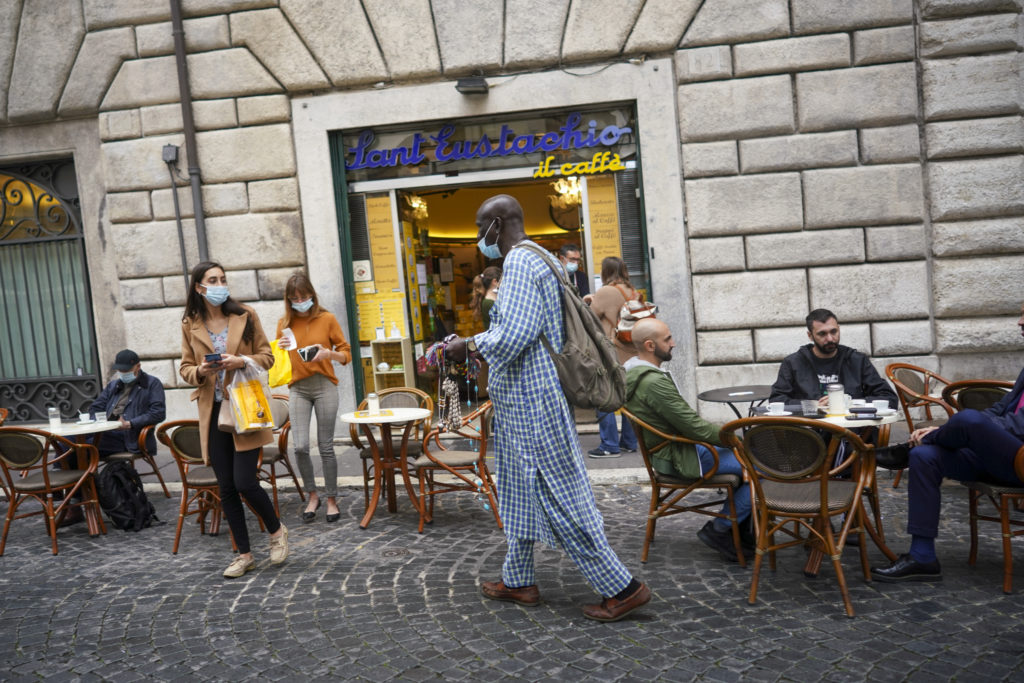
{"points": [[216, 323], [607, 302]]}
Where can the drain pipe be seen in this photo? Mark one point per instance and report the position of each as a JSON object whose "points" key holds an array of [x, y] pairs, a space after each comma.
{"points": [[189, 125]]}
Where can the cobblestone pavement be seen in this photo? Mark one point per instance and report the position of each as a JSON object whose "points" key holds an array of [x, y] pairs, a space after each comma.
{"points": [[387, 603]]}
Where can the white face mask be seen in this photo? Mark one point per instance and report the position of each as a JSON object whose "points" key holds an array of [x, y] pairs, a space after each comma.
{"points": [[571, 267], [303, 306], [126, 377], [491, 251]]}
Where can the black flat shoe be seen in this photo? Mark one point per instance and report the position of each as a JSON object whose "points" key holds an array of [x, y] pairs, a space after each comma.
{"points": [[906, 568], [895, 457], [333, 518], [309, 515]]}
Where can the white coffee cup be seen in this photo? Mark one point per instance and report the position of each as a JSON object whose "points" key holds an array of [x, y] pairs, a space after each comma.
{"points": [[880, 405], [84, 417], [776, 408], [858, 402]]}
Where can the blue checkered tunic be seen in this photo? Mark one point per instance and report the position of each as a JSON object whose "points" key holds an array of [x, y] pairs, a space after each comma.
{"points": [[543, 490]]}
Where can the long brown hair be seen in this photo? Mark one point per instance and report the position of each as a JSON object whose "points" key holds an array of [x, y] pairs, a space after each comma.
{"points": [[614, 271], [195, 304], [299, 285]]}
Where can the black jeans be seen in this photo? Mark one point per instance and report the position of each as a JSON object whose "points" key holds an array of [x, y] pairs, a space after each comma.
{"points": [[237, 476]]}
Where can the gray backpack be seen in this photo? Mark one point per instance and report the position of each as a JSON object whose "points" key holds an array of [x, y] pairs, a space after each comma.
{"points": [[588, 366]]}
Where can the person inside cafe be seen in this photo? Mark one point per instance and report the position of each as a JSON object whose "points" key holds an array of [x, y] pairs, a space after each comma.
{"points": [[569, 257], [972, 445], [652, 396], [607, 302], [807, 373], [135, 400], [544, 491]]}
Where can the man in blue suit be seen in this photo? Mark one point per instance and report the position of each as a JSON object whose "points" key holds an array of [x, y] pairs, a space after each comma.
{"points": [[973, 445]]}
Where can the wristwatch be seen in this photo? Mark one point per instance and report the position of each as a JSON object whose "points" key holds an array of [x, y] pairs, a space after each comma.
{"points": [[471, 344]]}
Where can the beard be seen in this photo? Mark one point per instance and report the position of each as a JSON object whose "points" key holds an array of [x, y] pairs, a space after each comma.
{"points": [[663, 355], [827, 349]]}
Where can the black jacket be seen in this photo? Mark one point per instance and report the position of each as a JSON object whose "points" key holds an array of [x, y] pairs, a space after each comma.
{"points": [[145, 407], [798, 378]]}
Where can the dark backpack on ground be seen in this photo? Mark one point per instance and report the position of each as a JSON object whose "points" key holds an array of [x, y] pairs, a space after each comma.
{"points": [[120, 493], [588, 366]]}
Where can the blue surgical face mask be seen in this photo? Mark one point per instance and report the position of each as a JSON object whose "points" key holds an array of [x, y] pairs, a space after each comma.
{"points": [[216, 294], [491, 251], [303, 306], [126, 377], [571, 267]]}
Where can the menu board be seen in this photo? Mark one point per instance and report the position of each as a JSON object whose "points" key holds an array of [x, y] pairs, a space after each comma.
{"points": [[604, 219], [382, 244]]}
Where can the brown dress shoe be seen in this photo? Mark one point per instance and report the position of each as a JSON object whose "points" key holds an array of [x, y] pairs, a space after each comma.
{"points": [[528, 596], [611, 609]]}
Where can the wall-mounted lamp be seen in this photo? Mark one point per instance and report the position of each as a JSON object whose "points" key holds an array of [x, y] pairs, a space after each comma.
{"points": [[472, 85]]}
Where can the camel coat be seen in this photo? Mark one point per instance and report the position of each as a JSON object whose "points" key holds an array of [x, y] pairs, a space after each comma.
{"points": [[195, 344]]}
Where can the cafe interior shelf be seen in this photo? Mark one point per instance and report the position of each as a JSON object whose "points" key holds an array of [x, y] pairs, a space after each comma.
{"points": [[397, 353]]}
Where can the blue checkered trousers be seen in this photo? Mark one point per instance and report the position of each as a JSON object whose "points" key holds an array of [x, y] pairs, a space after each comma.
{"points": [[543, 490]]}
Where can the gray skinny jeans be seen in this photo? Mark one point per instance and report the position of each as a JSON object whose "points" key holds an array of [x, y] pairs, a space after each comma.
{"points": [[320, 394]]}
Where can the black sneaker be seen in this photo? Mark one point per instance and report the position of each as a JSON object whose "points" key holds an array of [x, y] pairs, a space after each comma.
{"points": [[906, 568], [626, 450], [601, 453], [718, 540]]}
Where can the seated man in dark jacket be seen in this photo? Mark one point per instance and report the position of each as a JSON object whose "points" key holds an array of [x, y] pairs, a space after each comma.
{"points": [[652, 396], [972, 446], [135, 399], [806, 373]]}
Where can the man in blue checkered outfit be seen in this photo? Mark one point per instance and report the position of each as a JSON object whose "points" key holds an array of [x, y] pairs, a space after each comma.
{"points": [[544, 493]]}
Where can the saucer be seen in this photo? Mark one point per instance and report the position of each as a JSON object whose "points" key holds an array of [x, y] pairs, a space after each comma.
{"points": [[784, 413], [887, 411]]}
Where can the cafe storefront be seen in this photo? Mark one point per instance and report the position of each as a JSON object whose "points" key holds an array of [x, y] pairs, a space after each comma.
{"points": [[412, 194], [404, 195]]}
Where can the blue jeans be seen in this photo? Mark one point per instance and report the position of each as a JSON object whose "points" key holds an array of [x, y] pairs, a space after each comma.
{"points": [[969, 447], [728, 464], [611, 441]]}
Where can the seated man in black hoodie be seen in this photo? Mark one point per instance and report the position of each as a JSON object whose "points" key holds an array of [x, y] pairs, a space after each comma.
{"points": [[806, 373]]}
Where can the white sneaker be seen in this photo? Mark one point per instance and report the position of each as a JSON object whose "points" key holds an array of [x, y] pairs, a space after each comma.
{"points": [[279, 546], [239, 567]]}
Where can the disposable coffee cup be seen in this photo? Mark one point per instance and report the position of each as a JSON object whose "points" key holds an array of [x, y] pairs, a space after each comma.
{"points": [[776, 408]]}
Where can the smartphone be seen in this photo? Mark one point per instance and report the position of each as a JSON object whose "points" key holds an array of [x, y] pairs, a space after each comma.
{"points": [[308, 353], [212, 358], [863, 410]]}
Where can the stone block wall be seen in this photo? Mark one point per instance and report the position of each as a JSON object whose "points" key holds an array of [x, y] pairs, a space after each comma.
{"points": [[864, 157]]}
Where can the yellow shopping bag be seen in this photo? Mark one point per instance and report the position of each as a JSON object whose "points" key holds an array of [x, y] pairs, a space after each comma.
{"points": [[281, 371], [251, 406]]}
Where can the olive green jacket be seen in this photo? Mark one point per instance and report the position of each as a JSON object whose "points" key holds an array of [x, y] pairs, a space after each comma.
{"points": [[652, 396]]}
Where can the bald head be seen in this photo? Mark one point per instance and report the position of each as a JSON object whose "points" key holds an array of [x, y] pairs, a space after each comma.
{"points": [[653, 340], [500, 215]]}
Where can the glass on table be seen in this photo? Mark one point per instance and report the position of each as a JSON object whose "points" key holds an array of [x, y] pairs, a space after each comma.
{"points": [[101, 416], [809, 406], [53, 414]]}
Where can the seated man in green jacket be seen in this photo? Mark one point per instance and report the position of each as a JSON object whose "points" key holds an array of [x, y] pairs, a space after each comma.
{"points": [[652, 396]]}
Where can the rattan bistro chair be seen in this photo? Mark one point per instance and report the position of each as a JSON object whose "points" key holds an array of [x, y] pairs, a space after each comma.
{"points": [[798, 489], [461, 470], [144, 455], [668, 492], [275, 454], [981, 394], [395, 397], [918, 391], [27, 458], [200, 494]]}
